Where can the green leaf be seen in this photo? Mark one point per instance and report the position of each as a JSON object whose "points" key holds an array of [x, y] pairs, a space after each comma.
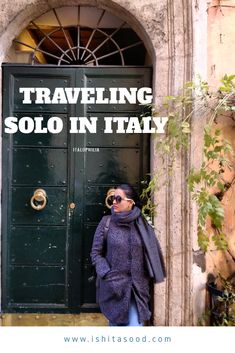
{"points": [[216, 212], [193, 178], [203, 240], [207, 140], [218, 148], [170, 98], [220, 186], [224, 89], [220, 241]]}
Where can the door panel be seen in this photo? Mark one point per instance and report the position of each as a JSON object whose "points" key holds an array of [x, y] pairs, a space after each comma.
{"points": [[41, 139], [41, 166], [37, 284], [115, 139], [46, 254], [32, 77], [36, 243], [103, 167], [54, 214], [25, 242], [114, 78]]}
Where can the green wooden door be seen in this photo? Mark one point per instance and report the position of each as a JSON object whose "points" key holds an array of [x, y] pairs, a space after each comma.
{"points": [[45, 254]]}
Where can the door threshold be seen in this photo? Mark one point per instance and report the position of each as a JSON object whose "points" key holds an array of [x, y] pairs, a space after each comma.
{"points": [[83, 319]]}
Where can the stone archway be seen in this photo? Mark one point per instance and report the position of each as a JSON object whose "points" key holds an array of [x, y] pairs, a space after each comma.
{"points": [[25, 14]]}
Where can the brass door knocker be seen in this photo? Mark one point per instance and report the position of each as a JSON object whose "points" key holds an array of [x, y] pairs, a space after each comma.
{"points": [[39, 199], [109, 198]]}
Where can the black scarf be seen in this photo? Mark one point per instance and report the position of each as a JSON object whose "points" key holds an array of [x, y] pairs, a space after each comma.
{"points": [[153, 254]]}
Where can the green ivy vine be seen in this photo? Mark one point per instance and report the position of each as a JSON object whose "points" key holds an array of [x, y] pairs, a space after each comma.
{"points": [[206, 184]]}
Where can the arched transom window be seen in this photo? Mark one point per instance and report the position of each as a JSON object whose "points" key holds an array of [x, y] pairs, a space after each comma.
{"points": [[80, 35]]}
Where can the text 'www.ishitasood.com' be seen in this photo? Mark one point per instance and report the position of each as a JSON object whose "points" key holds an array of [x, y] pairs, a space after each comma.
{"points": [[117, 339]]}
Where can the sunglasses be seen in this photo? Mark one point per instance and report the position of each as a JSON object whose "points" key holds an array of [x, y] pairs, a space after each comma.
{"points": [[119, 199]]}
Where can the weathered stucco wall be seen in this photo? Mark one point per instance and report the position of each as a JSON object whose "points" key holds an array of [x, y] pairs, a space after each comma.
{"points": [[174, 34], [221, 33]]}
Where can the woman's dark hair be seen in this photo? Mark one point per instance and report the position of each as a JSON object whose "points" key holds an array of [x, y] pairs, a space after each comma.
{"points": [[130, 193]]}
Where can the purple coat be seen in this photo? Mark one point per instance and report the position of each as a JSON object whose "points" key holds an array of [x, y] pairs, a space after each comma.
{"points": [[121, 271]]}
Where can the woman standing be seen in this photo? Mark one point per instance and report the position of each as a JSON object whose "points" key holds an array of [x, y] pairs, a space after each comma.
{"points": [[125, 261]]}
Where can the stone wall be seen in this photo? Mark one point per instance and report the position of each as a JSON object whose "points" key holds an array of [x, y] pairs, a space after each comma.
{"points": [[174, 34]]}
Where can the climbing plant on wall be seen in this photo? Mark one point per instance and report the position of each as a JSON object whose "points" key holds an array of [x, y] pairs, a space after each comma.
{"points": [[206, 184]]}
